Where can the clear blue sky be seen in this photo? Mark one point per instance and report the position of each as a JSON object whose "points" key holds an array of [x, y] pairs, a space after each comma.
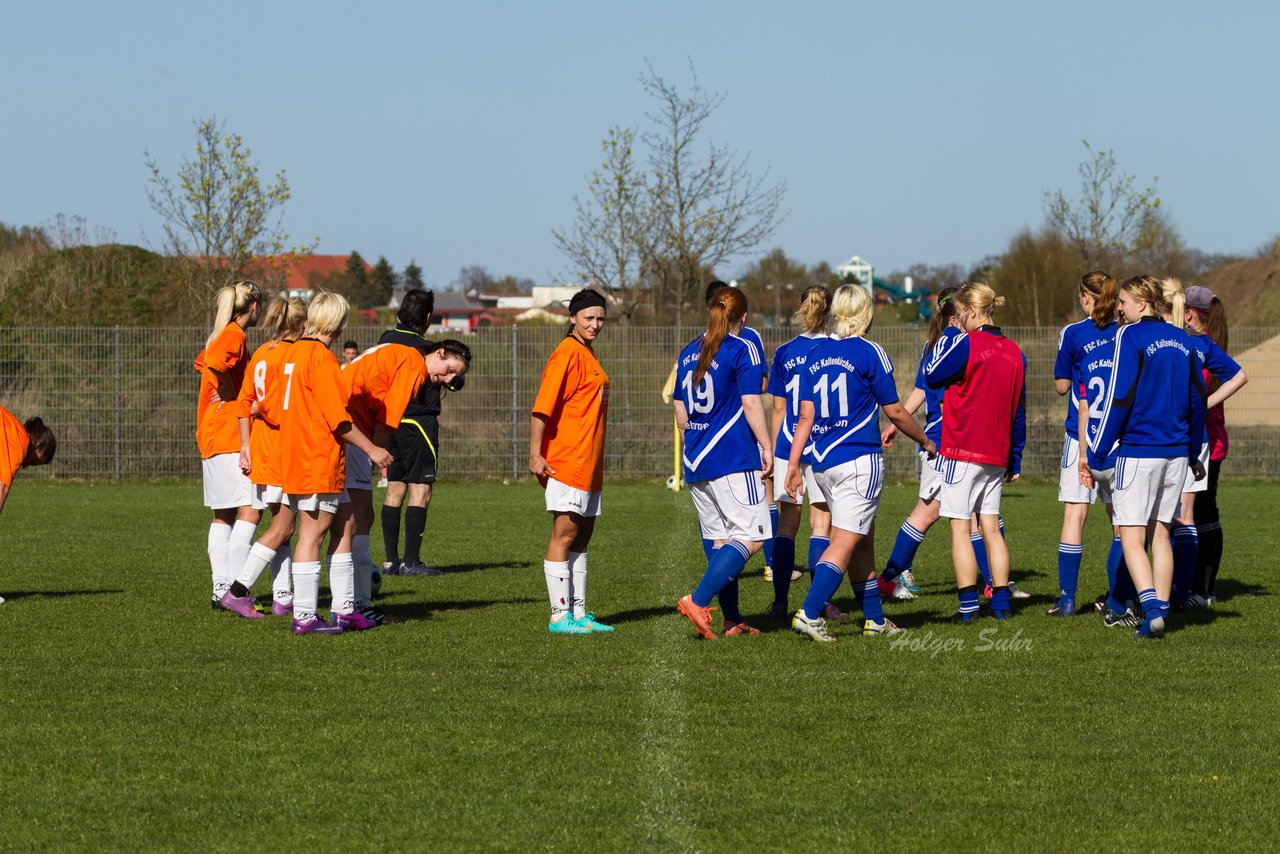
{"points": [[458, 133]]}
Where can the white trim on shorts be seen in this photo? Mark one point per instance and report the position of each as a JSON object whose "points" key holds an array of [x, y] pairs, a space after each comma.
{"points": [[1201, 485], [563, 498], [969, 488], [1070, 489], [225, 486], [808, 484], [733, 507], [930, 476], [359, 473], [1146, 488], [326, 502], [264, 496], [853, 492]]}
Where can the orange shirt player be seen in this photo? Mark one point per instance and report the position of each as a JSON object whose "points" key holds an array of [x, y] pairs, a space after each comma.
{"points": [[566, 453], [22, 445]]}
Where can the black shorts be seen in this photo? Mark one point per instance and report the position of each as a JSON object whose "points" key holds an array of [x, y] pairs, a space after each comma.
{"points": [[413, 446]]}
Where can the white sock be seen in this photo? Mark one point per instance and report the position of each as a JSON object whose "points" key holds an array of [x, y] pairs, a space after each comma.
{"points": [[218, 536], [578, 582], [557, 572], [281, 567], [342, 583], [254, 563], [238, 547], [360, 550], [306, 590]]}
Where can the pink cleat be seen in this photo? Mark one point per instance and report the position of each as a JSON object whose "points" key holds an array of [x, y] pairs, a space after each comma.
{"points": [[353, 622], [315, 626], [242, 605], [282, 609]]}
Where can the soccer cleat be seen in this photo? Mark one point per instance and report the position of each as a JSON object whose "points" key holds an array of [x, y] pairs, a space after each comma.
{"points": [[1111, 619], [732, 629], [1152, 627], [885, 627], [1195, 600], [1100, 604], [242, 605], [353, 622], [699, 616], [909, 581], [965, 617], [282, 609], [901, 591], [815, 628], [419, 569], [314, 626], [1064, 607], [379, 617], [391, 567], [832, 614], [566, 625], [768, 573], [1015, 593], [777, 611], [795, 574], [1210, 601], [588, 620], [886, 587]]}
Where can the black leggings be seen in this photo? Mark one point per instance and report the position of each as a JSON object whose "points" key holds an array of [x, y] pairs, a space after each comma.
{"points": [[1209, 526]]}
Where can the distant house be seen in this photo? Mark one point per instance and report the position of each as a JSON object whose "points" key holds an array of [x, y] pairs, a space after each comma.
{"points": [[455, 313], [299, 274]]}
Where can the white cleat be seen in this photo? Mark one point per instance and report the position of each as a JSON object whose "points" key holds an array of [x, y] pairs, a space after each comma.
{"points": [[815, 628]]}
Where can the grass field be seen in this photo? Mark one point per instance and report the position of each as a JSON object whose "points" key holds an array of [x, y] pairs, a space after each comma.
{"points": [[133, 717]]}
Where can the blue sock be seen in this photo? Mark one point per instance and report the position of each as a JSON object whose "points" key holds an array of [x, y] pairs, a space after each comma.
{"points": [[968, 599], [1150, 604], [1115, 564], [872, 607], [728, 597], [726, 563], [904, 551], [1000, 519], [773, 530], [826, 581], [817, 545], [784, 560], [1069, 556], [980, 552], [708, 547], [1186, 543], [1000, 599]]}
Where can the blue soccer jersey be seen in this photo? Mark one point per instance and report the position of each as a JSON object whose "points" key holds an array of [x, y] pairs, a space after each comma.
{"points": [[717, 438], [933, 396], [1093, 376], [1079, 342], [1155, 402], [749, 334], [784, 381], [847, 380], [1213, 358]]}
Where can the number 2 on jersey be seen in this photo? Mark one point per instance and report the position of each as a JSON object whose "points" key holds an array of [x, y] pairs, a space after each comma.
{"points": [[706, 394], [1098, 390]]}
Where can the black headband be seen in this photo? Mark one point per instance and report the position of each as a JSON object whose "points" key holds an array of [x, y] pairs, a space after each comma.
{"points": [[585, 298]]}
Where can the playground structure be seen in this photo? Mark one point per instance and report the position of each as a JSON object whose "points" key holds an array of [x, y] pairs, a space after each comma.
{"points": [[857, 271]]}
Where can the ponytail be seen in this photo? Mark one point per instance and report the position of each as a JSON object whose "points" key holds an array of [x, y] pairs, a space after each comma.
{"points": [[941, 316], [815, 302], [274, 314], [1215, 323], [231, 302], [728, 306], [1103, 288], [1175, 300]]}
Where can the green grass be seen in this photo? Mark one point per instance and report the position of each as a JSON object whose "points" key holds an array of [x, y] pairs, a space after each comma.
{"points": [[132, 717]]}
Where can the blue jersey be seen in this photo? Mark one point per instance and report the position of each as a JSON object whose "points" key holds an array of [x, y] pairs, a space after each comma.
{"points": [[717, 438], [847, 380], [1155, 402], [1079, 342], [1093, 376], [750, 335], [933, 396], [1213, 358], [784, 381]]}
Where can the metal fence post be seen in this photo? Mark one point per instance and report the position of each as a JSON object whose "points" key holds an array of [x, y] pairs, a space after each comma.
{"points": [[515, 406], [118, 402]]}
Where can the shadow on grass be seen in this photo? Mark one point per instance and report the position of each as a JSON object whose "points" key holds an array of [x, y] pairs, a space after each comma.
{"points": [[1226, 588], [56, 594], [425, 610], [1198, 617]]}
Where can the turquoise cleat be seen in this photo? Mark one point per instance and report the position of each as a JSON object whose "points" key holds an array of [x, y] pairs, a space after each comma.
{"points": [[567, 625], [587, 622]]}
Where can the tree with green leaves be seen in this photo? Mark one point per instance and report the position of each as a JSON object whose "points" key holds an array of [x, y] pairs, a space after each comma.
{"points": [[217, 210], [413, 277], [383, 281]]}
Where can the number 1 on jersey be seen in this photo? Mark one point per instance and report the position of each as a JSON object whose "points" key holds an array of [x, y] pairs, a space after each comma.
{"points": [[706, 394]]}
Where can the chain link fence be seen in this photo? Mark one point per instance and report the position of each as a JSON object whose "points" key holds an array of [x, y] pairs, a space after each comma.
{"points": [[122, 399]]}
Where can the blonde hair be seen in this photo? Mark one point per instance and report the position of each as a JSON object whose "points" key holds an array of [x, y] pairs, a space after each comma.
{"points": [[286, 318], [851, 311], [728, 305], [1148, 289], [815, 303], [1176, 297], [1102, 286], [232, 301], [978, 295], [326, 315]]}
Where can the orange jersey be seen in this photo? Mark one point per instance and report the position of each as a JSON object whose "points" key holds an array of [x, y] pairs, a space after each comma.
{"points": [[263, 388], [380, 383], [574, 398], [312, 408], [14, 442], [218, 429]]}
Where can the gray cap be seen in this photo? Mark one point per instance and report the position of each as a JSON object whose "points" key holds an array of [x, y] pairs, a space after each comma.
{"points": [[1199, 297]]}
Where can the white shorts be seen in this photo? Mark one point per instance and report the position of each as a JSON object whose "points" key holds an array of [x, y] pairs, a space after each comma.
{"points": [[1070, 489], [264, 496], [562, 498], [809, 485], [1201, 485], [969, 488], [853, 492], [1146, 488], [325, 502], [225, 486], [359, 468], [930, 476], [1102, 479], [732, 507]]}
